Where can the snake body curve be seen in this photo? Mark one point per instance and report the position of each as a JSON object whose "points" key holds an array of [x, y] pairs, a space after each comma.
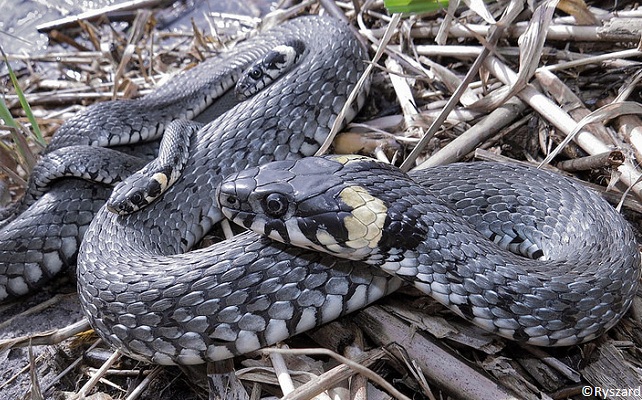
{"points": [[39, 239], [521, 252], [147, 295]]}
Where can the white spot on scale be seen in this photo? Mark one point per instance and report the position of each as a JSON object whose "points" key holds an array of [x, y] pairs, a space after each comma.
{"points": [[391, 267], [506, 323], [145, 133], [440, 288], [358, 299], [162, 359], [189, 357], [276, 331], [407, 271], [586, 338], [135, 138], [509, 333], [216, 353], [18, 286], [482, 313], [223, 332], [409, 260], [247, 341], [307, 321], [567, 341], [308, 150], [380, 286], [536, 331], [539, 340], [33, 273], [3, 293], [332, 307], [486, 324], [458, 299], [68, 246], [115, 140], [52, 261]]}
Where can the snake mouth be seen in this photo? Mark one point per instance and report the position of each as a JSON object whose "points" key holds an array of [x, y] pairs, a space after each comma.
{"points": [[232, 197]]}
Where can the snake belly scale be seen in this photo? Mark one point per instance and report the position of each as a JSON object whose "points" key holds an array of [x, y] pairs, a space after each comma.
{"points": [[147, 296]]}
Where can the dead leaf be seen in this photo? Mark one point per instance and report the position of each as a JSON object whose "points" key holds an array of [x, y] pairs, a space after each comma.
{"points": [[579, 10]]}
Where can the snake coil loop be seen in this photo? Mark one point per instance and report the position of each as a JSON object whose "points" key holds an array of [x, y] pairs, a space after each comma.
{"points": [[460, 237]]}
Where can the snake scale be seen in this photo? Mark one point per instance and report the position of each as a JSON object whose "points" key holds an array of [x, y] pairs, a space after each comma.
{"points": [[147, 293]]}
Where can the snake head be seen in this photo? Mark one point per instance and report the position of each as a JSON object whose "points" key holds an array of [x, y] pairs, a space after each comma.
{"points": [[269, 68], [306, 203], [136, 192]]}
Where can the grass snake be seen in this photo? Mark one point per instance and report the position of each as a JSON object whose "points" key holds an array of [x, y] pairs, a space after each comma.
{"points": [[149, 294], [525, 253]]}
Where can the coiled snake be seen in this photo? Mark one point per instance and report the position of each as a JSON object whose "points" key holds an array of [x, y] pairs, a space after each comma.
{"points": [[464, 236], [147, 294], [149, 298]]}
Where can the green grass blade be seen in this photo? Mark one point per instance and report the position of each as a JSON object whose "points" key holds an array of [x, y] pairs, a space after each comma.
{"points": [[415, 6], [6, 116], [23, 102]]}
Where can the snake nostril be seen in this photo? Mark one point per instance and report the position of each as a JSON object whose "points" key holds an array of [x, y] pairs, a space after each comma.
{"points": [[231, 200]]}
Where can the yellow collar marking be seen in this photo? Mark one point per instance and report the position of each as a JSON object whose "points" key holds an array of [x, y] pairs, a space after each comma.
{"points": [[365, 224]]}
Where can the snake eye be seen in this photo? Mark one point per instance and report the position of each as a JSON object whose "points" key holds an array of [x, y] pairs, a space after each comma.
{"points": [[231, 201], [136, 198], [256, 73], [275, 205]]}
